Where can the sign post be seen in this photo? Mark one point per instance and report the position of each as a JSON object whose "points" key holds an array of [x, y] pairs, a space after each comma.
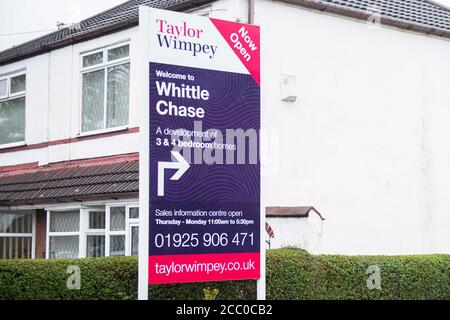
{"points": [[199, 161]]}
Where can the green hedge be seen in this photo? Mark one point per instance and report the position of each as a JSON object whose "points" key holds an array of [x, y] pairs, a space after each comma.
{"points": [[291, 274], [105, 278], [294, 274]]}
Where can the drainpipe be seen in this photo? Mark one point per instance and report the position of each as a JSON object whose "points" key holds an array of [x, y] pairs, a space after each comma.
{"points": [[251, 11]]}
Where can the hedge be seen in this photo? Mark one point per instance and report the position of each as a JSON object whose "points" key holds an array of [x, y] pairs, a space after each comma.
{"points": [[291, 274], [294, 274], [103, 278]]}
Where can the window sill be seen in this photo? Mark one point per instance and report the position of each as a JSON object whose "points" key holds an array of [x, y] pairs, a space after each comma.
{"points": [[103, 131], [12, 145]]}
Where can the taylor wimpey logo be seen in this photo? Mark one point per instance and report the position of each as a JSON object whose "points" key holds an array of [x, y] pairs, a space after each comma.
{"points": [[169, 37]]}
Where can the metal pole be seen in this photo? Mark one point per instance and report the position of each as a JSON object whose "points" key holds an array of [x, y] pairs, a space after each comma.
{"points": [[261, 283], [143, 155], [251, 11]]}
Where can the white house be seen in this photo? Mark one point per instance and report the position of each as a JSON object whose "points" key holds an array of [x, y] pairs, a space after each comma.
{"points": [[354, 100], [300, 227]]}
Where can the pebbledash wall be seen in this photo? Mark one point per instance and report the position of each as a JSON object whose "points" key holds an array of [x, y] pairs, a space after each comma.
{"points": [[365, 143]]}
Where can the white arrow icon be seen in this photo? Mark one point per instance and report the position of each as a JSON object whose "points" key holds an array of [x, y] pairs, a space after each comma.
{"points": [[181, 164]]}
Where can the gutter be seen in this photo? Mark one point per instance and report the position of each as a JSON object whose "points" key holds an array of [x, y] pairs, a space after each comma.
{"points": [[40, 204], [190, 4]]}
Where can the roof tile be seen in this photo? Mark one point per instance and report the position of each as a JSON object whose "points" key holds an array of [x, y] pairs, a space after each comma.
{"points": [[67, 184]]}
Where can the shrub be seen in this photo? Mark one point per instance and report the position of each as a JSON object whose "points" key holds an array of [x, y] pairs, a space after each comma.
{"points": [[291, 274], [105, 278], [295, 274]]}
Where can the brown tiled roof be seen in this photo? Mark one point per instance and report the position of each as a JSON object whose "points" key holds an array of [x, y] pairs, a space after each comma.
{"points": [[115, 19], [424, 16], [419, 15], [71, 183], [102, 178], [291, 212]]}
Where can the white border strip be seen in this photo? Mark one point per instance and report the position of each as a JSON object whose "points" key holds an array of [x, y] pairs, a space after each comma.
{"points": [[143, 67]]}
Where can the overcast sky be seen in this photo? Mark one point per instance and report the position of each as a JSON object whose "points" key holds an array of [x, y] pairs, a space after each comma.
{"points": [[27, 16], [20, 19]]}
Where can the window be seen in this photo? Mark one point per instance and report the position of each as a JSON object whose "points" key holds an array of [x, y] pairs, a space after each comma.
{"points": [[107, 232], [16, 235], [134, 240], [133, 215], [63, 234], [95, 246], [96, 220], [117, 231], [105, 89], [12, 109], [95, 235], [95, 231]]}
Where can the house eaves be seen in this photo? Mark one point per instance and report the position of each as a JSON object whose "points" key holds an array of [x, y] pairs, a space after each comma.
{"points": [[119, 18], [423, 16]]}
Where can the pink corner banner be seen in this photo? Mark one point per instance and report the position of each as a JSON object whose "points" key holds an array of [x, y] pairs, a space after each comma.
{"points": [[244, 39], [166, 269]]}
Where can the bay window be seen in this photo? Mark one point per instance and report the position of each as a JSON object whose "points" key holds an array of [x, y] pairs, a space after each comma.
{"points": [[12, 109], [16, 235], [105, 89], [98, 231]]}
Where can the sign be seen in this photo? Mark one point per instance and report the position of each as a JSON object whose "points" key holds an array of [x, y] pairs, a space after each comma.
{"points": [[200, 170]]}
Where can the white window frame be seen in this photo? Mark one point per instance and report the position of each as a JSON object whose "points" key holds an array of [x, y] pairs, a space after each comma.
{"points": [[130, 224], [6, 87], [115, 233], [102, 66], [62, 234], [32, 234], [91, 232], [13, 96], [87, 228], [84, 230]]}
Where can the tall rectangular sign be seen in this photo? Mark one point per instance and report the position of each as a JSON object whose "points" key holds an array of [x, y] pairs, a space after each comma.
{"points": [[200, 171]]}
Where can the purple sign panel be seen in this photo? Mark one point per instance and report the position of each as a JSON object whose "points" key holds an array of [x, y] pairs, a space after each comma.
{"points": [[204, 168]]}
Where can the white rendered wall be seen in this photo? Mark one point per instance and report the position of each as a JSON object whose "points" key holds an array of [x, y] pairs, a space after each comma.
{"points": [[53, 104], [37, 72], [366, 143], [53, 98], [304, 233]]}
